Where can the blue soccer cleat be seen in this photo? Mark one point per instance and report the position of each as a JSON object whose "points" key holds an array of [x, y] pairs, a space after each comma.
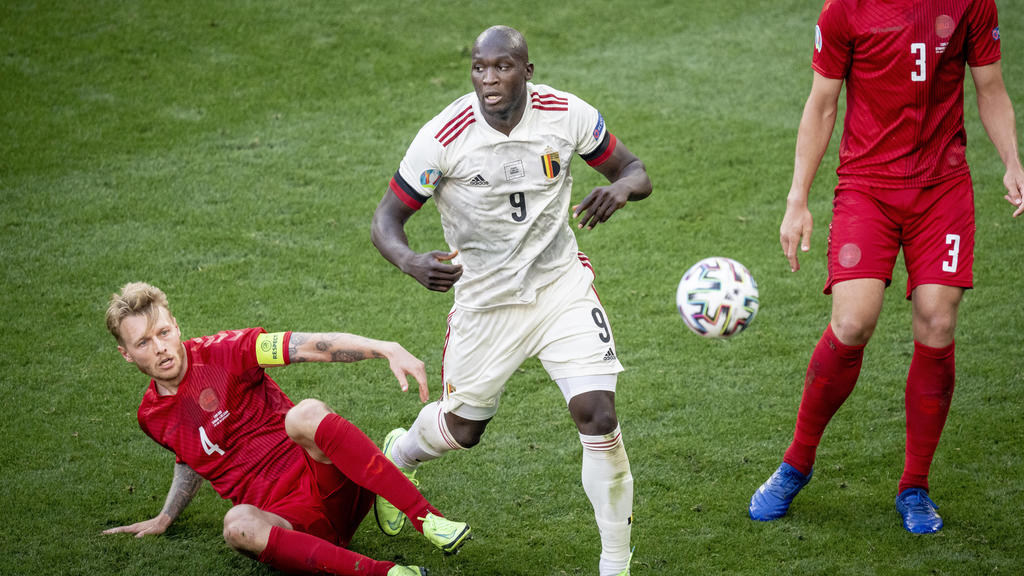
{"points": [[772, 499], [918, 511]]}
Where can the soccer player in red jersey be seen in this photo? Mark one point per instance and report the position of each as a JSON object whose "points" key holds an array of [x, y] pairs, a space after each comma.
{"points": [[300, 476], [903, 183]]}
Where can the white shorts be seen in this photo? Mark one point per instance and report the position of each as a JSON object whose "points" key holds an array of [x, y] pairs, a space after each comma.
{"points": [[566, 327]]}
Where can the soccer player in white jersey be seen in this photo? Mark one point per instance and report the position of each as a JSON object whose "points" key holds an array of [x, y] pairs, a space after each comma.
{"points": [[496, 161]]}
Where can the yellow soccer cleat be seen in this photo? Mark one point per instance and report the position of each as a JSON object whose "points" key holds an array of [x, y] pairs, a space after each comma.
{"points": [[446, 534], [391, 520], [397, 570]]}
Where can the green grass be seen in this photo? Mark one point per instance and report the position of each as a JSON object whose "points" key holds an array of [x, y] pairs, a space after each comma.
{"points": [[232, 153]]}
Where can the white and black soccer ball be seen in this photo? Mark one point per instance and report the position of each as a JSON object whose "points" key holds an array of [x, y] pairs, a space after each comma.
{"points": [[717, 297]]}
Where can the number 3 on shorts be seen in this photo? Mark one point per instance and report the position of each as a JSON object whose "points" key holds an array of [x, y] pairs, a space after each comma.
{"points": [[954, 252]]}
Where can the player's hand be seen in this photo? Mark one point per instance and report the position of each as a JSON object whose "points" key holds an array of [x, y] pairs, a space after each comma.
{"points": [[599, 206], [433, 270], [795, 231], [153, 526], [1014, 182], [403, 364]]}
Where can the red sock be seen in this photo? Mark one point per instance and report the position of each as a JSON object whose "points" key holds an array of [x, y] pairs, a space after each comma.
{"points": [[929, 391], [299, 553], [831, 375], [358, 458]]}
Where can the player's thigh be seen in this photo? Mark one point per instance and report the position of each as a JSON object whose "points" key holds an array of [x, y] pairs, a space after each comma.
{"points": [[322, 501], [856, 305], [863, 240], [482, 350], [939, 242]]}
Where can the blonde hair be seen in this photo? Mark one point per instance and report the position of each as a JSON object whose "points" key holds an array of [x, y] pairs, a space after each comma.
{"points": [[135, 298]]}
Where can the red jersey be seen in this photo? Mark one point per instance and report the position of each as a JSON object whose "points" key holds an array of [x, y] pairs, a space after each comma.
{"points": [[226, 421], [903, 62]]}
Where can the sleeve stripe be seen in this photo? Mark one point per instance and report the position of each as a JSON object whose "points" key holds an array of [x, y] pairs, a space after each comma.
{"points": [[455, 126], [549, 102], [602, 152], [406, 193]]}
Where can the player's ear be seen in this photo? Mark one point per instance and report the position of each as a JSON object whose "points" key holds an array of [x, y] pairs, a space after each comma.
{"points": [[529, 70], [128, 357]]}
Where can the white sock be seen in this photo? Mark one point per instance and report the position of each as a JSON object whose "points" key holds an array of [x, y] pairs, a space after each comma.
{"points": [[608, 483], [428, 438]]}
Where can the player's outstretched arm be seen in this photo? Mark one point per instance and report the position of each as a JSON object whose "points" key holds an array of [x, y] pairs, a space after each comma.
{"points": [[996, 112], [430, 269], [628, 181], [184, 486], [340, 347], [816, 124]]}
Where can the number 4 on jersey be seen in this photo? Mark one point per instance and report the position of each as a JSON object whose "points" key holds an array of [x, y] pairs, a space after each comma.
{"points": [[208, 447]]}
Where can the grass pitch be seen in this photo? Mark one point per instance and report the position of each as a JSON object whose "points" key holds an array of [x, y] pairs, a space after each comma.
{"points": [[232, 153]]}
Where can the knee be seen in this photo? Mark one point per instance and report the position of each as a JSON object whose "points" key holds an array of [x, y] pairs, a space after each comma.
{"points": [[597, 422], [302, 420], [934, 329], [241, 525], [467, 432], [594, 413], [853, 330]]}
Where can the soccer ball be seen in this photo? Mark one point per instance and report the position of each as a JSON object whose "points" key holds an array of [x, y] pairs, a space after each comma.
{"points": [[717, 297]]}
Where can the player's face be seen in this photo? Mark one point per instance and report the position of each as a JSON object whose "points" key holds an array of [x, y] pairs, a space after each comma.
{"points": [[499, 77], [155, 348]]}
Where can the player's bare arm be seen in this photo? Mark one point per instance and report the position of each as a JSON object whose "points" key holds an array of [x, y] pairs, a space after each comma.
{"points": [[341, 347], [184, 486], [816, 124], [996, 112], [628, 180], [431, 269]]}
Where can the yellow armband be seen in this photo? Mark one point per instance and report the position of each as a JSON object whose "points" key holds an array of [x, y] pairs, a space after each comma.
{"points": [[272, 349]]}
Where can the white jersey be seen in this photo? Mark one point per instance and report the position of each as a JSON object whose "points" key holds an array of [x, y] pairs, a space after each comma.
{"points": [[504, 200]]}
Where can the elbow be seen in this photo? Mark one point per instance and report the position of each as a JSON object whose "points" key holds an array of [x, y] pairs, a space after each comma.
{"points": [[378, 230], [644, 185]]}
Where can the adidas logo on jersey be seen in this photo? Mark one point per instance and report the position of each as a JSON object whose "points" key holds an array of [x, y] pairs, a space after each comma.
{"points": [[610, 355], [479, 180]]}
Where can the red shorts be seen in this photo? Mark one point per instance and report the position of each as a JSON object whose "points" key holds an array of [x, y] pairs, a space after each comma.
{"points": [[934, 226], [318, 499]]}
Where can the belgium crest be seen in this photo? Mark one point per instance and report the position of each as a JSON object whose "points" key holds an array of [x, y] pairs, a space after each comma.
{"points": [[551, 163]]}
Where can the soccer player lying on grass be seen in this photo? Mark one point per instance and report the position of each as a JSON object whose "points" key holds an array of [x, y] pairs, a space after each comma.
{"points": [[301, 477]]}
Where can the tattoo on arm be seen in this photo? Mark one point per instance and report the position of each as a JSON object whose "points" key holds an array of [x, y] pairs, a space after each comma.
{"points": [[347, 356], [297, 340], [183, 488], [330, 347]]}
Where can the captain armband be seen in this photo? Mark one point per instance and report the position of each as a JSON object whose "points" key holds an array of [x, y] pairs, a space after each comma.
{"points": [[272, 348]]}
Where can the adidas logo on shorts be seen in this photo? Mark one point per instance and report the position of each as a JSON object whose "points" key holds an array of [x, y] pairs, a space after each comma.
{"points": [[610, 355], [479, 180]]}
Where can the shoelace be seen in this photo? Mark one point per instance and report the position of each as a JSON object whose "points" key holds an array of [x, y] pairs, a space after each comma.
{"points": [[921, 504], [789, 481]]}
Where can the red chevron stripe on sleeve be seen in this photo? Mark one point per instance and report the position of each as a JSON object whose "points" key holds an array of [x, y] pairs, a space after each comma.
{"points": [[451, 130], [549, 102]]}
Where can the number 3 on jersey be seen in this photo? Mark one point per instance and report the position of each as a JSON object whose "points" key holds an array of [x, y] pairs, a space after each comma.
{"points": [[918, 49], [208, 447], [952, 240]]}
